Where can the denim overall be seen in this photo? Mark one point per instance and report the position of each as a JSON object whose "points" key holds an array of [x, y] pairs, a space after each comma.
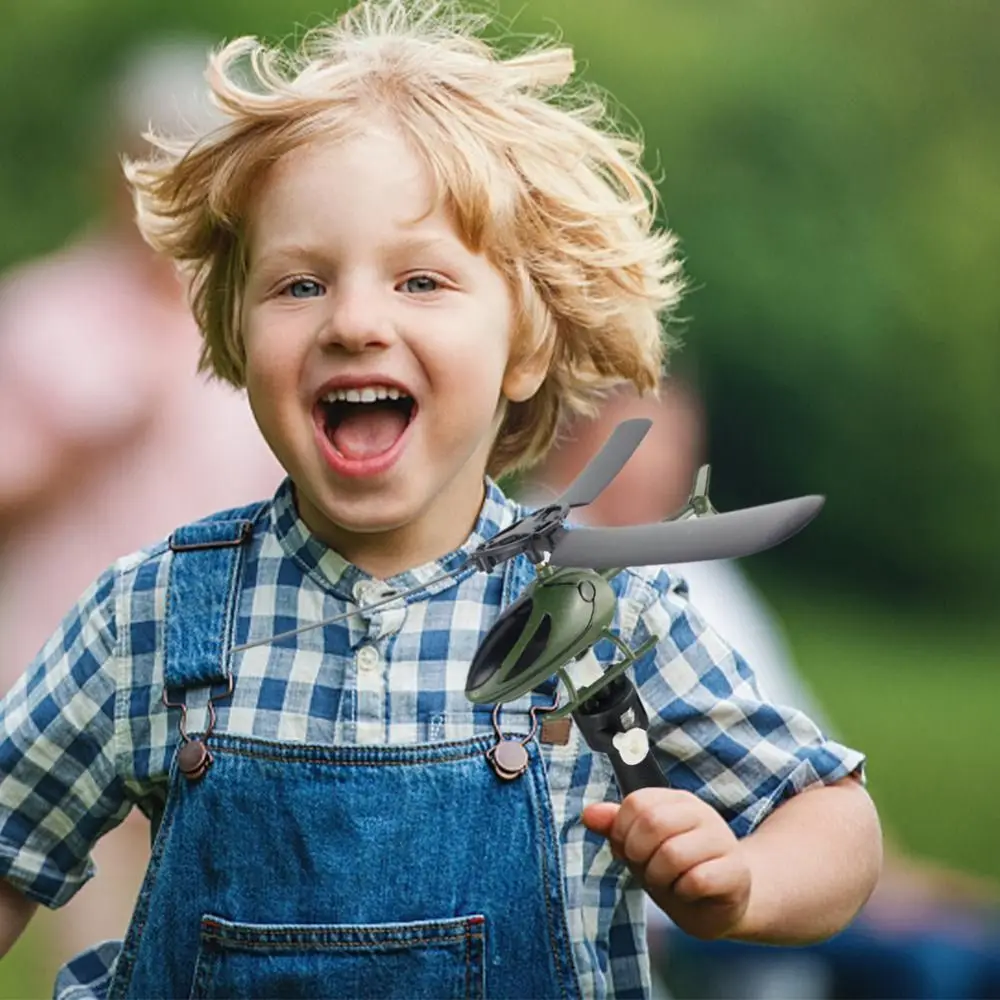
{"points": [[295, 870]]}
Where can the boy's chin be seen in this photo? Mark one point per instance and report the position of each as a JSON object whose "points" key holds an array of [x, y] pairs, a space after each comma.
{"points": [[333, 521], [394, 533], [362, 518]]}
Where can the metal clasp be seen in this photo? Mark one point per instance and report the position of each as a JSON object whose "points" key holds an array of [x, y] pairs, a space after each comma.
{"points": [[194, 758], [508, 756]]}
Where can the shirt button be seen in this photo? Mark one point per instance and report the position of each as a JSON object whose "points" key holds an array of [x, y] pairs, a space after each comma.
{"points": [[368, 658], [369, 592]]}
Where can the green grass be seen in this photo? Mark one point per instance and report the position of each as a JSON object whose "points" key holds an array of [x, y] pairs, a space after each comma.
{"points": [[918, 693], [23, 973]]}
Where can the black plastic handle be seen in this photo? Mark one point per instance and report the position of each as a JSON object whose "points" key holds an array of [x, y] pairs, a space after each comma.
{"points": [[632, 777], [613, 711]]}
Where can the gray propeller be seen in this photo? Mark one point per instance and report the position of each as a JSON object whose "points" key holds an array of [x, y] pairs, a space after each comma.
{"points": [[606, 464], [536, 533], [719, 536]]}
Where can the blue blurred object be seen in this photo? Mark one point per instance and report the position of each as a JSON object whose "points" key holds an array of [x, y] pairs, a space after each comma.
{"points": [[864, 962]]}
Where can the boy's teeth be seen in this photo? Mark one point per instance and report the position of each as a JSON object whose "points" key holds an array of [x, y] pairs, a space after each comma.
{"points": [[369, 394]]}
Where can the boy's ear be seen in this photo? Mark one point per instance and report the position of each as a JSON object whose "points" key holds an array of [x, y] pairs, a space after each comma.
{"points": [[524, 377]]}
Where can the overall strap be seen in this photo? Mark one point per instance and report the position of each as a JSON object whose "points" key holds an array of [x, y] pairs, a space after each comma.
{"points": [[518, 573], [206, 568]]}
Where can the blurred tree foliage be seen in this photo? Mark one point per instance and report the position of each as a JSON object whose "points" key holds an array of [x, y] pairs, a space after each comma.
{"points": [[833, 170]]}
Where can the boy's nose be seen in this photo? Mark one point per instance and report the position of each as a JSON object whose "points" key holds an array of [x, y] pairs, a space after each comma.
{"points": [[356, 322]]}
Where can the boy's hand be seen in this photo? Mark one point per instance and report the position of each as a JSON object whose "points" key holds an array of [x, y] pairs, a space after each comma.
{"points": [[682, 852]]}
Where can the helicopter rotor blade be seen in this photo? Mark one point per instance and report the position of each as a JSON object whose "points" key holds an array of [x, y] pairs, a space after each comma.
{"points": [[731, 535], [606, 464], [343, 616]]}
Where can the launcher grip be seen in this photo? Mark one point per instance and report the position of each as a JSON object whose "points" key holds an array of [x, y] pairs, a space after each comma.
{"points": [[614, 722]]}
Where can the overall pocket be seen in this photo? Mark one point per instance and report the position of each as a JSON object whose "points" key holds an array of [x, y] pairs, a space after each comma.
{"points": [[421, 960]]}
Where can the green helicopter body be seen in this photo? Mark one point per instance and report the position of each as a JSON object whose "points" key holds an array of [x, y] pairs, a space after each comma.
{"points": [[554, 623]]}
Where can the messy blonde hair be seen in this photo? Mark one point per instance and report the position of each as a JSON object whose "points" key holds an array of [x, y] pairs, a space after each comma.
{"points": [[535, 178]]}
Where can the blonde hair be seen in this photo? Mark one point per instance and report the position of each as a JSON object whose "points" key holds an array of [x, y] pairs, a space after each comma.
{"points": [[536, 178]]}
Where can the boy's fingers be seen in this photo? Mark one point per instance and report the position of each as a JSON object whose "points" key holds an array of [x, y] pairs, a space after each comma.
{"points": [[599, 816], [676, 856], [676, 811], [644, 823], [717, 878], [643, 832]]}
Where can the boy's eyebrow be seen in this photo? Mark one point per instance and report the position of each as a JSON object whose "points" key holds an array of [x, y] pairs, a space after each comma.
{"points": [[404, 244], [448, 243], [422, 243], [287, 251]]}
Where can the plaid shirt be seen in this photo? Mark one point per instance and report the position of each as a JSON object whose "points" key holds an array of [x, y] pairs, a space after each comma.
{"points": [[84, 735]]}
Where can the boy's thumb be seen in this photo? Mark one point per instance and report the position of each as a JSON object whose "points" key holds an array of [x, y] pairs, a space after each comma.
{"points": [[599, 816]]}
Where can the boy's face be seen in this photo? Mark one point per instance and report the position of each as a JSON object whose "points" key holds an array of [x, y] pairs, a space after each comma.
{"points": [[351, 302]]}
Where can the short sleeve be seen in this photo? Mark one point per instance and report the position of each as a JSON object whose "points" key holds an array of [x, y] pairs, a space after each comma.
{"points": [[59, 790], [711, 728]]}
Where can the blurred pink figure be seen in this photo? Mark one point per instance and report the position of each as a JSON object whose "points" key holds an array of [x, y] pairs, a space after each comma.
{"points": [[110, 438]]}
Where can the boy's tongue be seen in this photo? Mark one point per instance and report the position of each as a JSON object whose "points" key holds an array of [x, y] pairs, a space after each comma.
{"points": [[368, 429]]}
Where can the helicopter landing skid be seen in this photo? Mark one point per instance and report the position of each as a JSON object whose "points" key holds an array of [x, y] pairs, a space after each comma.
{"points": [[577, 698]]}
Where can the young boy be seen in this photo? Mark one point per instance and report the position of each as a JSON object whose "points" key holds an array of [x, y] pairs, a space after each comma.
{"points": [[418, 262]]}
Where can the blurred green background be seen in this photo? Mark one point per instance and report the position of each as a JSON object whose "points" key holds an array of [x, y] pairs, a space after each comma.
{"points": [[833, 171]]}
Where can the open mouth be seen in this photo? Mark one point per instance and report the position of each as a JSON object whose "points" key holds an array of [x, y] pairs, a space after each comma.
{"points": [[365, 423]]}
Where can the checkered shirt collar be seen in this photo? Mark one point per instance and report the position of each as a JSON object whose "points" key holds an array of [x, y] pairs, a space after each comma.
{"points": [[333, 572]]}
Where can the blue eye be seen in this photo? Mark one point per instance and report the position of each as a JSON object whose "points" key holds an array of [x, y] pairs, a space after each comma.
{"points": [[304, 288], [421, 283]]}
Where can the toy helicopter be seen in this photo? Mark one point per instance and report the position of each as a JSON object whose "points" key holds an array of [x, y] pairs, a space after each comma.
{"points": [[559, 618]]}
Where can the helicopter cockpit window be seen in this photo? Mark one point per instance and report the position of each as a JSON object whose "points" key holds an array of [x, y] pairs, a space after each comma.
{"points": [[499, 642], [535, 646]]}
